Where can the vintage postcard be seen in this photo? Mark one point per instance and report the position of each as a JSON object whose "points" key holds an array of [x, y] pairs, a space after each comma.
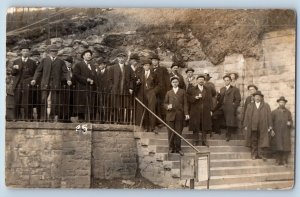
{"points": [[150, 98]]}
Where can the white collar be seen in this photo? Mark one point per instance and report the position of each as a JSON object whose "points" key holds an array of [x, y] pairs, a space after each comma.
{"points": [[257, 104], [133, 68], [24, 59], [228, 86], [175, 89]]}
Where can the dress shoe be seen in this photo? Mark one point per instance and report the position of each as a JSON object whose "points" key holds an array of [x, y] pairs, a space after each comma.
{"points": [[204, 143]]}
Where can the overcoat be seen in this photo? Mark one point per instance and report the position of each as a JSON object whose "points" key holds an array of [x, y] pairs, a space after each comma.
{"points": [[265, 121], [229, 102], [200, 109], [85, 94], [282, 139], [116, 76]]}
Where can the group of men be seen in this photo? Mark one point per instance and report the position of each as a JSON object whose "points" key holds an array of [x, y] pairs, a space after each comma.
{"points": [[110, 93]]}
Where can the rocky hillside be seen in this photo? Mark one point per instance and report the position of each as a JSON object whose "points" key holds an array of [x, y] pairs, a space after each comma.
{"points": [[176, 34]]}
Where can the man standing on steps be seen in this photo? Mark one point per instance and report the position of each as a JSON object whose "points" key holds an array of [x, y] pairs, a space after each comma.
{"points": [[250, 99], [229, 102], [282, 122], [258, 124], [177, 111], [200, 100], [51, 71]]}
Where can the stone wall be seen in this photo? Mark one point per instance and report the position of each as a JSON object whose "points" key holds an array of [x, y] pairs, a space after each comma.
{"points": [[114, 152], [56, 155]]}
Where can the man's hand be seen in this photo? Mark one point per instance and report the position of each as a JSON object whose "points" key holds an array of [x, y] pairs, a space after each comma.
{"points": [[288, 123], [187, 117], [33, 82], [16, 66], [130, 91], [211, 113], [169, 107], [245, 128], [90, 81], [197, 97], [69, 83]]}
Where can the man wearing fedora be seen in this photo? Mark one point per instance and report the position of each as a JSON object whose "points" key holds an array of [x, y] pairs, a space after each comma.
{"points": [[135, 69], [147, 93], [230, 99], [85, 77], [23, 71], [282, 124], [163, 84], [177, 112], [250, 99], [122, 85], [174, 73], [51, 71], [200, 100], [190, 80], [258, 126]]}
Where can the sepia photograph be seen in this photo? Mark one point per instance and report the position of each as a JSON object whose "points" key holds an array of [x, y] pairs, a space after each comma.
{"points": [[150, 98]]}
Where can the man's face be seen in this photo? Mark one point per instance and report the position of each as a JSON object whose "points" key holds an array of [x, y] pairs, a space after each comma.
{"points": [[53, 53], [232, 75], [102, 66], [133, 62], [252, 90], [227, 81], [174, 69], [190, 74], [282, 104], [174, 83], [25, 53], [87, 56], [257, 98], [121, 59], [154, 62], [146, 67], [200, 81]]}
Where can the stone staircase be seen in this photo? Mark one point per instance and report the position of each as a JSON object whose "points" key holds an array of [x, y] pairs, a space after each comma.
{"points": [[231, 164]]}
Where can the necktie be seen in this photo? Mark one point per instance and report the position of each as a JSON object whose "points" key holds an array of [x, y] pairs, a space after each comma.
{"points": [[89, 66]]}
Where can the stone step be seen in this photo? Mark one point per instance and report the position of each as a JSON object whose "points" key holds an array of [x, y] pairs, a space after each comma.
{"points": [[248, 178], [215, 156], [240, 162], [239, 170], [210, 142], [266, 185], [188, 149]]}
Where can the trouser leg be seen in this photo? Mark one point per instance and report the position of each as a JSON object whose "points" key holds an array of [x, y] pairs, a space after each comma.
{"points": [[171, 136], [254, 144]]}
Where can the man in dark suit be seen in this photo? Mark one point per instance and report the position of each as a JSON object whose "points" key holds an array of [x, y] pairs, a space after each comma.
{"points": [[174, 73], [136, 69], [177, 112], [85, 76], [229, 102], [147, 93], [51, 71], [122, 80], [163, 83], [103, 90], [250, 99], [200, 100], [23, 71]]}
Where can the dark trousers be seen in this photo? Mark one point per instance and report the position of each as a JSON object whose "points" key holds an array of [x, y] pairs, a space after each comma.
{"points": [[230, 131], [177, 125], [23, 99], [150, 101], [254, 143], [282, 157]]}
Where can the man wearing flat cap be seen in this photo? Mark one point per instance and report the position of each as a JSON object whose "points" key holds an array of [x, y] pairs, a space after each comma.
{"points": [[174, 73], [135, 69], [230, 98], [177, 112], [282, 125], [85, 76], [23, 71], [190, 80], [200, 100], [250, 99], [163, 82], [51, 71], [147, 93], [258, 126]]}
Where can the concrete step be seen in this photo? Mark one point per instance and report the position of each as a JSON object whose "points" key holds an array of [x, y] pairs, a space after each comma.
{"points": [[248, 178], [266, 185], [210, 142], [239, 170], [223, 149], [240, 162], [216, 156]]}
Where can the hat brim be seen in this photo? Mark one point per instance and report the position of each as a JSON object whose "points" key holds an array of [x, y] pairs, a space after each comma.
{"points": [[87, 51], [282, 100]]}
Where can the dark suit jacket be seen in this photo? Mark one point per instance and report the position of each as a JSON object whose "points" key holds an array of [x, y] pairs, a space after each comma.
{"points": [[163, 80], [24, 74], [47, 69], [178, 101], [115, 79], [103, 82]]}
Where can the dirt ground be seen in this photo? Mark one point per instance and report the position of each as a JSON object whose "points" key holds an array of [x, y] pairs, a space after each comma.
{"points": [[135, 183]]}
